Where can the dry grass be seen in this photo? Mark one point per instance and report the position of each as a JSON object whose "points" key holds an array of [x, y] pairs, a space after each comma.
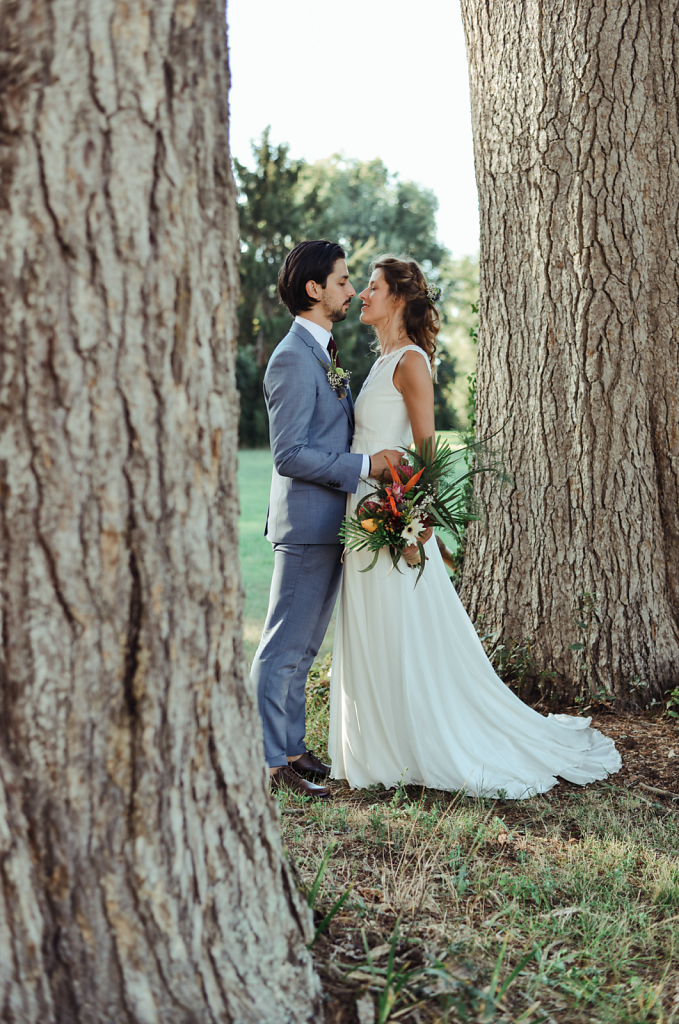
{"points": [[579, 889]]}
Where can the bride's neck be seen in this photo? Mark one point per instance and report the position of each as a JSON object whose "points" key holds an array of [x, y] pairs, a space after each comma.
{"points": [[391, 337]]}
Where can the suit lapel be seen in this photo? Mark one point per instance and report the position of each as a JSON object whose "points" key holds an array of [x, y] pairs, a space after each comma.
{"points": [[348, 406], [321, 354]]}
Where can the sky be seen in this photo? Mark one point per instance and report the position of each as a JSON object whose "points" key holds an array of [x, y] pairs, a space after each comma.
{"points": [[366, 79]]}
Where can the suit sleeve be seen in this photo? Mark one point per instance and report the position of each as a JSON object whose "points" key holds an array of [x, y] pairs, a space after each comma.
{"points": [[290, 393]]}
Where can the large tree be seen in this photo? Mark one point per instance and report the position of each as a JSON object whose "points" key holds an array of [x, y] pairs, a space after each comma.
{"points": [[576, 133], [142, 875]]}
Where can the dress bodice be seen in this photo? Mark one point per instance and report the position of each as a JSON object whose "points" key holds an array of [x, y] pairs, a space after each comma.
{"points": [[381, 417]]}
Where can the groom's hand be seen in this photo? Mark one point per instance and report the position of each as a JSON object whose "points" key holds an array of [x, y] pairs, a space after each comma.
{"points": [[378, 463]]}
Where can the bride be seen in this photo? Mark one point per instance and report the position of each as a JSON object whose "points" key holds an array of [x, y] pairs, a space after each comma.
{"points": [[413, 696]]}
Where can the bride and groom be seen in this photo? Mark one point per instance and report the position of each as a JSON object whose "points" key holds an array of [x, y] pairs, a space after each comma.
{"points": [[413, 696]]}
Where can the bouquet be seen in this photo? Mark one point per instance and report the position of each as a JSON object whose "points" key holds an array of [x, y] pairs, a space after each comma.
{"points": [[425, 491]]}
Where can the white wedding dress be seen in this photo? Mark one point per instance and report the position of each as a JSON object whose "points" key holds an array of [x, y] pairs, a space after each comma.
{"points": [[413, 695]]}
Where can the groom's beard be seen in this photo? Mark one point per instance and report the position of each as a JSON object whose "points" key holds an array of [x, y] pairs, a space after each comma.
{"points": [[336, 313]]}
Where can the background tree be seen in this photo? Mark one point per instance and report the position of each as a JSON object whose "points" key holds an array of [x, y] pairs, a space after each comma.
{"points": [[370, 211], [272, 212], [142, 873], [575, 123], [460, 332]]}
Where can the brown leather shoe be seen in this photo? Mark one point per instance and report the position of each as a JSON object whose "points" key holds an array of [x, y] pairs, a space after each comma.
{"points": [[311, 767], [287, 778]]}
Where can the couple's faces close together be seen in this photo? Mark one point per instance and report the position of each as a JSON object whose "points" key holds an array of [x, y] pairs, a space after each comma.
{"points": [[377, 302]]}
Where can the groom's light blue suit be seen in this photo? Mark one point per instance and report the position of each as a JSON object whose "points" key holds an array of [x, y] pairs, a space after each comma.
{"points": [[311, 430]]}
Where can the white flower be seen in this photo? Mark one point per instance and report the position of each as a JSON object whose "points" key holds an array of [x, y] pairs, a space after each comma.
{"points": [[413, 531]]}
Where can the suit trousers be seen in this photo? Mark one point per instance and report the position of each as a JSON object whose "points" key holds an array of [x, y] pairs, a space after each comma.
{"points": [[304, 587]]}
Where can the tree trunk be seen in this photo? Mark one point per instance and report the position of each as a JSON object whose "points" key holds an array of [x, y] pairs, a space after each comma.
{"points": [[576, 132], [142, 875]]}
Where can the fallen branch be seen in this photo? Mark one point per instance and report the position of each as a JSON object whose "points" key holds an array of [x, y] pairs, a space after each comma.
{"points": [[658, 792]]}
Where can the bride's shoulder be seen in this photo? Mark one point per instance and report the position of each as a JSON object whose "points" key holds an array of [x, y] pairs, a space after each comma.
{"points": [[413, 364], [413, 374]]}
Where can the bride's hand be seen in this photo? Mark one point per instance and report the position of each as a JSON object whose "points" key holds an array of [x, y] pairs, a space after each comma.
{"points": [[412, 552]]}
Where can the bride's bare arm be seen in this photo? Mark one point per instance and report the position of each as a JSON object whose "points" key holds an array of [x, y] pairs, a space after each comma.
{"points": [[413, 379]]}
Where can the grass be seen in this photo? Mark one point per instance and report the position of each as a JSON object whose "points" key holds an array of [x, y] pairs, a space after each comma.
{"points": [[584, 890], [256, 555], [564, 907]]}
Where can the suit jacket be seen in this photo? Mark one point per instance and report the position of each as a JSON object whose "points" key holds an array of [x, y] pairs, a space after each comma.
{"points": [[311, 430]]}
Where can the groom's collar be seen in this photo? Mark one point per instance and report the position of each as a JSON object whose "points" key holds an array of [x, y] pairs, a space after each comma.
{"points": [[318, 333]]}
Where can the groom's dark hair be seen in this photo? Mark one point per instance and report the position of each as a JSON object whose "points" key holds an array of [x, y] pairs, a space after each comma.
{"points": [[308, 261]]}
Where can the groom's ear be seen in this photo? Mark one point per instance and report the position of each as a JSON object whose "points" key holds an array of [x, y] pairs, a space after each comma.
{"points": [[314, 290]]}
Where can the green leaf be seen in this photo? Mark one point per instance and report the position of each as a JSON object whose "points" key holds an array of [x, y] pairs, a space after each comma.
{"points": [[373, 563], [423, 559], [311, 899], [337, 905]]}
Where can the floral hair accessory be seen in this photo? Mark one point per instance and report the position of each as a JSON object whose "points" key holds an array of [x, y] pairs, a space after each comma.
{"points": [[433, 294]]}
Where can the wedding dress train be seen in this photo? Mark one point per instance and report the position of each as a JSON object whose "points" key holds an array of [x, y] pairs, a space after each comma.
{"points": [[413, 695]]}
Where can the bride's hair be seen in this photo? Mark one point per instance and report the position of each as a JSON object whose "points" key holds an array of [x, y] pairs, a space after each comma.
{"points": [[420, 317]]}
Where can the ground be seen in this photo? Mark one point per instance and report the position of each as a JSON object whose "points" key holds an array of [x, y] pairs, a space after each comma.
{"points": [[562, 908]]}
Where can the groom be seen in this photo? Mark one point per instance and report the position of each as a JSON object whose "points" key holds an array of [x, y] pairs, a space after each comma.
{"points": [[311, 427]]}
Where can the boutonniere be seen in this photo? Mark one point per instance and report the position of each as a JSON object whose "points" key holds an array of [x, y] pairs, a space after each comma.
{"points": [[338, 379]]}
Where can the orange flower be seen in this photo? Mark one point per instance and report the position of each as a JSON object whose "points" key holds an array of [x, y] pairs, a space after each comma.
{"points": [[393, 506], [413, 480], [394, 475], [369, 524]]}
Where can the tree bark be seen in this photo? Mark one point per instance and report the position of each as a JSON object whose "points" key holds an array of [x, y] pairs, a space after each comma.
{"points": [[142, 874], [575, 118]]}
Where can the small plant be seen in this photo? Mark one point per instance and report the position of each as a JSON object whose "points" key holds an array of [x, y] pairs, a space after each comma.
{"points": [[672, 705], [513, 661], [496, 991], [458, 867], [400, 793], [394, 979], [377, 823], [546, 686], [471, 378], [313, 893], [408, 984]]}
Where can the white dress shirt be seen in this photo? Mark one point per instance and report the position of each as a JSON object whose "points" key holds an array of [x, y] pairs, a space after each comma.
{"points": [[322, 336], [319, 333]]}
